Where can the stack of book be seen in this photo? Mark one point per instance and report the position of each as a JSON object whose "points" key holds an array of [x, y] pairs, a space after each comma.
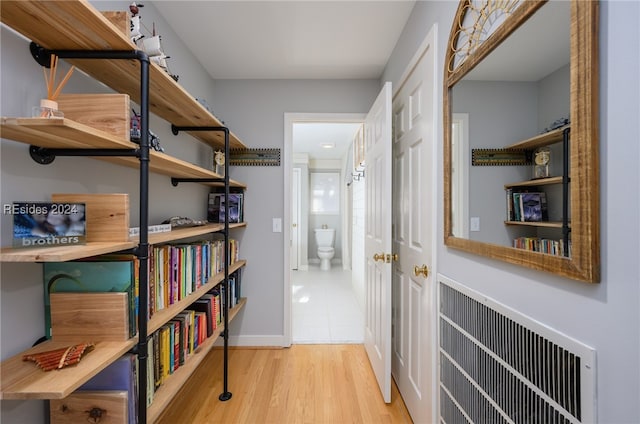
{"points": [[548, 246], [217, 207], [526, 206]]}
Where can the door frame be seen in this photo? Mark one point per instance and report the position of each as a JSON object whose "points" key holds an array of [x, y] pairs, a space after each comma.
{"points": [[289, 120]]}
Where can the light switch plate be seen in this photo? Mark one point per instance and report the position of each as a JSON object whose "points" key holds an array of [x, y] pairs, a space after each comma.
{"points": [[277, 225]]}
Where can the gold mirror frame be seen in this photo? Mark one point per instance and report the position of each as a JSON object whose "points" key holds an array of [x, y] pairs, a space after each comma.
{"points": [[584, 263]]}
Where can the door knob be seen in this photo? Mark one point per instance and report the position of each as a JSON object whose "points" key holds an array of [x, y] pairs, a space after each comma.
{"points": [[424, 270], [295, 225], [378, 257], [391, 257]]}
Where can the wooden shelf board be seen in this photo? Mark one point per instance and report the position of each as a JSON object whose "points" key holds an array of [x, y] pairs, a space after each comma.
{"points": [[62, 253], [60, 133], [77, 25], [538, 182], [183, 233], [65, 133], [548, 224], [165, 394], [24, 380], [551, 137], [69, 253], [162, 316]]}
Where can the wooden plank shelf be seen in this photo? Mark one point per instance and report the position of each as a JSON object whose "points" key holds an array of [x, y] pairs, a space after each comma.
{"points": [[67, 134], [69, 253], [77, 25], [162, 316], [62, 253], [546, 224], [24, 380], [183, 233], [166, 393], [538, 182], [551, 137]]}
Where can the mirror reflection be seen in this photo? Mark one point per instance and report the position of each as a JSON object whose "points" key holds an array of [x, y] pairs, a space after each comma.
{"points": [[519, 91]]}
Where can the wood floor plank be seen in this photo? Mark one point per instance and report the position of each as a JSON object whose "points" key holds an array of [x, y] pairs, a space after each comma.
{"points": [[310, 384]]}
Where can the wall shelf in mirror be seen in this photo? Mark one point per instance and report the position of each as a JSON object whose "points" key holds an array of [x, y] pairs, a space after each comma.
{"points": [[535, 61]]}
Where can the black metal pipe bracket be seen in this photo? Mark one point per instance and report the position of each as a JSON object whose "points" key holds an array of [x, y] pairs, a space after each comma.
{"points": [[175, 181], [45, 156], [175, 129]]}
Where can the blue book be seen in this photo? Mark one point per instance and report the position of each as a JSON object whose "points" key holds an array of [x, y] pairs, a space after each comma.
{"points": [[120, 375]]}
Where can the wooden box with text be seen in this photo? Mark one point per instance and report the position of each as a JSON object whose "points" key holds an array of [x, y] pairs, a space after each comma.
{"points": [[107, 217]]}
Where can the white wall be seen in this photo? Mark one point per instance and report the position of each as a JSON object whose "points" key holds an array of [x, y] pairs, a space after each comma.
{"points": [[255, 110], [22, 85], [604, 316]]}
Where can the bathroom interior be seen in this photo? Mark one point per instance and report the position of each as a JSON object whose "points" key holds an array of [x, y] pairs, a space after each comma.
{"points": [[327, 213]]}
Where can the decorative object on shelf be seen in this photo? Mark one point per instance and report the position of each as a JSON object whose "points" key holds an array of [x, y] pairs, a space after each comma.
{"points": [[59, 358], [217, 208], [41, 224], [135, 133], [183, 222], [500, 157], [541, 159], [151, 45], [218, 160], [49, 107], [558, 123], [152, 229], [255, 157]]}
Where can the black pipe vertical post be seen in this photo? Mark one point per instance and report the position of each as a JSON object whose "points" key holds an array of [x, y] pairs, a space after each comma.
{"points": [[565, 190], [226, 394], [143, 246]]}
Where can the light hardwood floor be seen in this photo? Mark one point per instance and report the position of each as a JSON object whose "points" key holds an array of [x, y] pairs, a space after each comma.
{"points": [[302, 384]]}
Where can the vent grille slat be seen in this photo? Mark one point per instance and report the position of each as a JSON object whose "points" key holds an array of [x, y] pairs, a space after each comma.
{"points": [[495, 370]]}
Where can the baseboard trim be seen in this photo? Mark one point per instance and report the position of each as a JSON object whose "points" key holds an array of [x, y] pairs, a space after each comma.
{"points": [[255, 341]]}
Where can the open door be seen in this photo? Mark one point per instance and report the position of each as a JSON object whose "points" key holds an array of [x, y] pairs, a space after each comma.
{"points": [[377, 332]]}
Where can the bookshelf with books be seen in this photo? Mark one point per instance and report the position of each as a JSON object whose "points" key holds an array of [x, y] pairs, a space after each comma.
{"points": [[528, 203], [81, 35]]}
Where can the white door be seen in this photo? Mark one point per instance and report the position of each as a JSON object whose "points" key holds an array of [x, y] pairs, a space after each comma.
{"points": [[294, 248], [414, 203], [377, 246]]}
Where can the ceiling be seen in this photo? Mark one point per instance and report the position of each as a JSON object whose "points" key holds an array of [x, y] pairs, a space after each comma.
{"points": [[300, 39], [309, 137]]}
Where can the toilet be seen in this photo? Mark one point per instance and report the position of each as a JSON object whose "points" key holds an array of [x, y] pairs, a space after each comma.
{"points": [[324, 239]]}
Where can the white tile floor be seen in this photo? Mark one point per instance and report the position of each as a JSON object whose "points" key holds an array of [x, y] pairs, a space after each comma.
{"points": [[324, 309]]}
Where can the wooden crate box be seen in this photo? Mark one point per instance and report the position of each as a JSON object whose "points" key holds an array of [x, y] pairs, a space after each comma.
{"points": [[110, 113], [89, 317], [104, 407], [107, 214]]}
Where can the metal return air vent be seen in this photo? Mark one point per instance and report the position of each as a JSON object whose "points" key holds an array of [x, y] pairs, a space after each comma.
{"points": [[498, 366]]}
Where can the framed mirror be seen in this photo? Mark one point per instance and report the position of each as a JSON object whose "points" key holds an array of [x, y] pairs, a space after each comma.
{"points": [[521, 169]]}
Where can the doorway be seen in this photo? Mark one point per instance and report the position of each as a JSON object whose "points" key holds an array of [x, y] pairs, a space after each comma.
{"points": [[324, 303]]}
